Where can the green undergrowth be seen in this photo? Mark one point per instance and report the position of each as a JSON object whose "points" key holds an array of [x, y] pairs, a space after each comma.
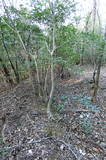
{"points": [[84, 101], [85, 119], [86, 123], [60, 104], [3, 150]]}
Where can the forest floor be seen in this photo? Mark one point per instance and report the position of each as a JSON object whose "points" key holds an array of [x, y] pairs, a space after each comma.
{"points": [[77, 133]]}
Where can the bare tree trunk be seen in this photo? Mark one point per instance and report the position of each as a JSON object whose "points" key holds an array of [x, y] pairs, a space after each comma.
{"points": [[12, 66], [96, 79], [38, 77], [51, 92], [17, 72], [49, 112], [94, 14], [81, 55], [7, 73], [45, 85]]}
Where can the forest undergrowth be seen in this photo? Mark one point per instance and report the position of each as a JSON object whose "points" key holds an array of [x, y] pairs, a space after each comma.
{"points": [[77, 132]]}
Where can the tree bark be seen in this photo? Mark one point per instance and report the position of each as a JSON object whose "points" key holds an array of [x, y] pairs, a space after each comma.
{"points": [[49, 113], [12, 66], [7, 73], [96, 80]]}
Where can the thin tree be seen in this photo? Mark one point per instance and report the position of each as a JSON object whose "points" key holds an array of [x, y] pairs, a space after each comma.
{"points": [[97, 74]]}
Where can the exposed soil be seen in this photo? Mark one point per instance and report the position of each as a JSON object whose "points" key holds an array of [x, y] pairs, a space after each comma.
{"points": [[78, 131]]}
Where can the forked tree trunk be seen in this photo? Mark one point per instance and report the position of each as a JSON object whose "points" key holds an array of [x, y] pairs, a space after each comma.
{"points": [[49, 112]]}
